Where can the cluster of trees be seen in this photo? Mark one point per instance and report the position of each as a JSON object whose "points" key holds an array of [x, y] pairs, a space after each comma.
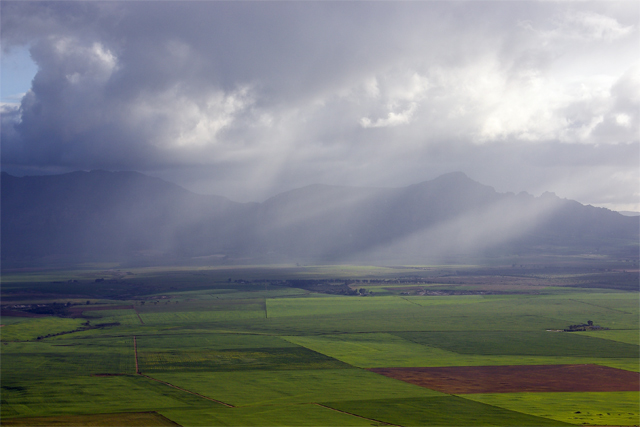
{"points": [[327, 287], [589, 326], [54, 309], [85, 326]]}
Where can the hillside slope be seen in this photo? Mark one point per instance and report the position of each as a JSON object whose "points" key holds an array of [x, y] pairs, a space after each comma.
{"points": [[101, 214]]}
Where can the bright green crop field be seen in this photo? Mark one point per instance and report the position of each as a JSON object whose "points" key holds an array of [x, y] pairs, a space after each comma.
{"points": [[258, 346], [611, 408]]}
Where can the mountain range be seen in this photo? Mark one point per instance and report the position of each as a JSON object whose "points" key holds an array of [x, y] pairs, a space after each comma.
{"points": [[99, 215]]}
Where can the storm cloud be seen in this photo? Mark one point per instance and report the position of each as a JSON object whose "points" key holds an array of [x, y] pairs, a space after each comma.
{"points": [[246, 99]]}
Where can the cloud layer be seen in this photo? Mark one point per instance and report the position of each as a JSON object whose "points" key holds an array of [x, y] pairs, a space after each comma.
{"points": [[250, 98]]}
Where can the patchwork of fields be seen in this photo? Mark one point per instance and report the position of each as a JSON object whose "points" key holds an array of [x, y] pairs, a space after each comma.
{"points": [[206, 347]]}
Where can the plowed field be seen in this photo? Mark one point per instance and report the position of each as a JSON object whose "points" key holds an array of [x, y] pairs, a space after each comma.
{"points": [[514, 379]]}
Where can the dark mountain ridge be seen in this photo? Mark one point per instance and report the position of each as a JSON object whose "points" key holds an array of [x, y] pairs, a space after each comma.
{"points": [[99, 213], [102, 215]]}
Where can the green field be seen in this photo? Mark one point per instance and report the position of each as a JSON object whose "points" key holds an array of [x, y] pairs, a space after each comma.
{"points": [[611, 408], [26, 361], [387, 350], [243, 346], [131, 419], [292, 386], [524, 343], [85, 394], [24, 329], [440, 411]]}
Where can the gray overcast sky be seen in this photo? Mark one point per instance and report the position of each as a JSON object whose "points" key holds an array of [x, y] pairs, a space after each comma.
{"points": [[247, 99]]}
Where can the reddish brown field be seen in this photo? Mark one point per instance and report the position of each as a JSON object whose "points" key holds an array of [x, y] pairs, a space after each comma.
{"points": [[513, 379]]}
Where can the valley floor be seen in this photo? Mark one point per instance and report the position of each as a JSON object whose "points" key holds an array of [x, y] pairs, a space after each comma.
{"points": [[414, 346]]}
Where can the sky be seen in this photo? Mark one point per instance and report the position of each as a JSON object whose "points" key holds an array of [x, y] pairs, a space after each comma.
{"points": [[249, 99]]}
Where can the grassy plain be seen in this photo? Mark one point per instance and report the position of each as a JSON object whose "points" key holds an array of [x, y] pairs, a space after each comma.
{"points": [[523, 343], [287, 387], [59, 359], [611, 408], [282, 355], [629, 336], [387, 350], [25, 329], [208, 360], [130, 419], [440, 411], [87, 394], [306, 414]]}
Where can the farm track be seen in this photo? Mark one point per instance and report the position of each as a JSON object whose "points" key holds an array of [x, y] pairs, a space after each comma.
{"points": [[228, 405], [599, 306], [359, 416], [135, 352], [412, 302], [138, 314]]}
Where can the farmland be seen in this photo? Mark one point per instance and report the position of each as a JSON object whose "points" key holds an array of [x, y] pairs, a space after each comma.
{"points": [[274, 345]]}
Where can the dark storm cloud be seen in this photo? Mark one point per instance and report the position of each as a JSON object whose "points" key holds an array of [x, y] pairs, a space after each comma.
{"points": [[246, 99]]}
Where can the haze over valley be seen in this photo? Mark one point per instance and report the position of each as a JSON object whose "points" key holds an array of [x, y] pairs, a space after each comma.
{"points": [[127, 216]]}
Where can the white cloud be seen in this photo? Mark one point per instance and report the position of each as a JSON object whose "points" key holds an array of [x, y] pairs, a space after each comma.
{"points": [[591, 26], [187, 121], [273, 95], [399, 95], [623, 119], [582, 26], [371, 87], [392, 119], [94, 61]]}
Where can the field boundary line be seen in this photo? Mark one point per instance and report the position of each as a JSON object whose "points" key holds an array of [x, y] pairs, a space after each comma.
{"points": [[228, 405], [414, 303], [138, 314], [135, 352], [355, 415], [599, 306]]}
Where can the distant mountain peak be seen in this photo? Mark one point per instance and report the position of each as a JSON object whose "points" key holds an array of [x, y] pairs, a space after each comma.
{"points": [[456, 175], [453, 182]]}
